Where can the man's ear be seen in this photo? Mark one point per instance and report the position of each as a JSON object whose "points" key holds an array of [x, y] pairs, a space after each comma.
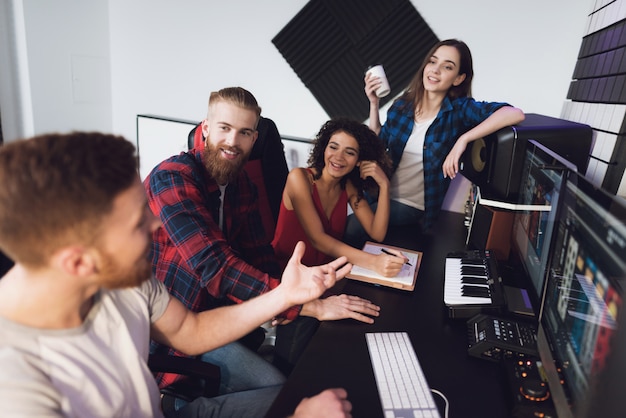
{"points": [[75, 260], [205, 128], [459, 79]]}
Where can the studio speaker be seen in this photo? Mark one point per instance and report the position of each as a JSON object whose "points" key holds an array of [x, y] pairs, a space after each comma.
{"points": [[475, 162], [495, 162]]}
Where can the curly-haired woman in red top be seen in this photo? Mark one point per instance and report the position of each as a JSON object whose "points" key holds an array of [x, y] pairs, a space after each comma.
{"points": [[347, 159]]}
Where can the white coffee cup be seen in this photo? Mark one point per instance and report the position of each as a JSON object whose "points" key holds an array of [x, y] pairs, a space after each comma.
{"points": [[379, 71]]}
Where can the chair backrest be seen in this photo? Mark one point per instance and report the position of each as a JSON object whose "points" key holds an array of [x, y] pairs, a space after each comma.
{"points": [[5, 264], [266, 167]]}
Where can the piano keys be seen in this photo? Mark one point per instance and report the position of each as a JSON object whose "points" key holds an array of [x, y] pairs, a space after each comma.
{"points": [[472, 284]]}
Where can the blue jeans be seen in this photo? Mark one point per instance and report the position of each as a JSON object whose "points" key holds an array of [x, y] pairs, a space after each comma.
{"points": [[247, 404], [399, 215], [248, 385], [291, 340]]}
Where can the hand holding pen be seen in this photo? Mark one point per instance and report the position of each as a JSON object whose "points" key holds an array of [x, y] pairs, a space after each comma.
{"points": [[389, 252]]}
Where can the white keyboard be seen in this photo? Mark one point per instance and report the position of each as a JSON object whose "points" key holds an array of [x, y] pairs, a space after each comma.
{"points": [[402, 386]]}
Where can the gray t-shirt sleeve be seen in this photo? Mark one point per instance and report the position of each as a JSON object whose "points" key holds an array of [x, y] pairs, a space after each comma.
{"points": [[158, 298]]}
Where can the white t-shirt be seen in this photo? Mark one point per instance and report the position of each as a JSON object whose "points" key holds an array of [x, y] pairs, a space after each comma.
{"points": [[221, 220], [96, 370], [407, 183]]}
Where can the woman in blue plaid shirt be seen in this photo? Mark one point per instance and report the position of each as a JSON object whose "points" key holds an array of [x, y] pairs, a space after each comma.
{"points": [[429, 126]]}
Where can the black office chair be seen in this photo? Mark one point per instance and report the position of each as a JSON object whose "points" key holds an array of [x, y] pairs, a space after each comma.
{"points": [[5, 264], [200, 378]]}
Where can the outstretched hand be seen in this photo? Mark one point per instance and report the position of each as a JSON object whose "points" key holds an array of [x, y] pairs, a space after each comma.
{"points": [[303, 284]]}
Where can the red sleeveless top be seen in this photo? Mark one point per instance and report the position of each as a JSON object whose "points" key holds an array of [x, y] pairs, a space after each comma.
{"points": [[289, 231]]}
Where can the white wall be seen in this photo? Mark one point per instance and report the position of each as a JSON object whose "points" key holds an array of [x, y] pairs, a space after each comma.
{"points": [[165, 57], [165, 60], [15, 97], [69, 65], [173, 57]]}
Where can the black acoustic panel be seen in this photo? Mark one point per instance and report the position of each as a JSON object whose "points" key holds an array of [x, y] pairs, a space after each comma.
{"points": [[610, 90], [600, 89], [618, 87], [600, 77], [311, 51], [616, 169], [339, 93], [329, 44], [617, 61], [603, 64], [611, 37], [364, 15], [400, 44], [610, 86], [613, 61]]}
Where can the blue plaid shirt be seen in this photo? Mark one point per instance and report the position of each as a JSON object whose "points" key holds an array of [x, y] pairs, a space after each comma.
{"points": [[455, 118]]}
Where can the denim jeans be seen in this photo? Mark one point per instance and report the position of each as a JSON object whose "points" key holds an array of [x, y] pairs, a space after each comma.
{"points": [[399, 215], [247, 404], [291, 340], [248, 385]]}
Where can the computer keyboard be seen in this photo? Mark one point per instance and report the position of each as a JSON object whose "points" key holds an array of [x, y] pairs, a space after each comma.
{"points": [[402, 387]]}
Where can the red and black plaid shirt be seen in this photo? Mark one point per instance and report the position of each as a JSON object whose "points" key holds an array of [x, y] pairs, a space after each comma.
{"points": [[201, 265]]}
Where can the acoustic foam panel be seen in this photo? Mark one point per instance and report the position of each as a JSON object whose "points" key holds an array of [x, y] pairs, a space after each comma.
{"points": [[329, 44]]}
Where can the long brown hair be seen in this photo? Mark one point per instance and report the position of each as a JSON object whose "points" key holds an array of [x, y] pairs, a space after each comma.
{"points": [[415, 92]]}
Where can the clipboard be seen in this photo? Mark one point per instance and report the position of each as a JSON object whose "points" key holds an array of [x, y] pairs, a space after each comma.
{"points": [[405, 280]]}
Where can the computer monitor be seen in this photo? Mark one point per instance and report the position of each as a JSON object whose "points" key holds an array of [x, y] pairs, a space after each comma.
{"points": [[606, 398], [583, 291], [543, 175]]}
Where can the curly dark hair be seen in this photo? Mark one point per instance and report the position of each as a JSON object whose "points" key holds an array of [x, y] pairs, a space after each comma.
{"points": [[371, 148]]}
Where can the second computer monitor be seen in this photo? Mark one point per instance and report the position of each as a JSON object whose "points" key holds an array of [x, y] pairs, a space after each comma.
{"points": [[543, 177], [584, 291]]}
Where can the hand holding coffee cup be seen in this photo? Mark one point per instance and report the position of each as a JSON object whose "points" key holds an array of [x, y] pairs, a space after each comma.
{"points": [[379, 72]]}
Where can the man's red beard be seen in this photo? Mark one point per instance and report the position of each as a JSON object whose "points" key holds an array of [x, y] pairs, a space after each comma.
{"points": [[222, 170], [113, 276]]}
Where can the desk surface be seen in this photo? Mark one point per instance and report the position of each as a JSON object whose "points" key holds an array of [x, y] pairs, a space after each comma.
{"points": [[337, 356]]}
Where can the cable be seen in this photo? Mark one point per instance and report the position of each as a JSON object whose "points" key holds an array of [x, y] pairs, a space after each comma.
{"points": [[447, 407]]}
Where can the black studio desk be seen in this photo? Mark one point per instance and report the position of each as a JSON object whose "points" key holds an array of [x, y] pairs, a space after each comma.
{"points": [[337, 356]]}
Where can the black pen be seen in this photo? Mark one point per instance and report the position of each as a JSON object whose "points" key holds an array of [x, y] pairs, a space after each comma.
{"points": [[395, 255]]}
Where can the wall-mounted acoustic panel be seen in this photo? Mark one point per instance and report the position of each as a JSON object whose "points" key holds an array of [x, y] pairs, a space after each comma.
{"points": [[599, 79], [329, 44]]}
